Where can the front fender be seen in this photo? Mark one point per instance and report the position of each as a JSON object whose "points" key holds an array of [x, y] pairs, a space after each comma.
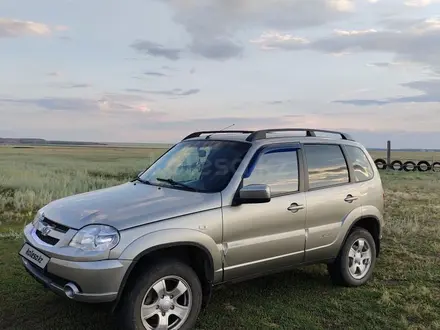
{"points": [[173, 237], [165, 238]]}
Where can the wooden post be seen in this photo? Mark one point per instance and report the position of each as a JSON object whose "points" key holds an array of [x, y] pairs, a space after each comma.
{"points": [[388, 153]]}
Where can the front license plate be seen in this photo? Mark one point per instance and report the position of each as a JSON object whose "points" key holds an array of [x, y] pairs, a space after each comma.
{"points": [[34, 256]]}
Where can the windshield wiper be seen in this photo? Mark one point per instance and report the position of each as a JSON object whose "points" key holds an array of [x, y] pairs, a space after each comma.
{"points": [[138, 178], [176, 183]]}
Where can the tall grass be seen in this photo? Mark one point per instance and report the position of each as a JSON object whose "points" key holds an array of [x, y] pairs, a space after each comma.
{"points": [[32, 177]]}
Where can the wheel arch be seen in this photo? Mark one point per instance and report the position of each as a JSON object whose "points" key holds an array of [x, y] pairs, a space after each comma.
{"points": [[372, 224], [198, 254]]}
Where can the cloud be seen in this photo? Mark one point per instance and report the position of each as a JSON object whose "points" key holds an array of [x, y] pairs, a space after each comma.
{"points": [[166, 67], [212, 24], [13, 28], [382, 64], [67, 85], [77, 85], [56, 103], [420, 3], [430, 93], [65, 38], [106, 103], [54, 74], [156, 50], [172, 92], [416, 41], [412, 125], [275, 40], [155, 74], [219, 48]]}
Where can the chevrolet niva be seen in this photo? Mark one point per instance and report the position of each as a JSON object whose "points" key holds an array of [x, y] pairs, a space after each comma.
{"points": [[219, 206]]}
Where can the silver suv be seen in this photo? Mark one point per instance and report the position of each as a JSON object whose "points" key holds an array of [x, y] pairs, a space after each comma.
{"points": [[219, 206]]}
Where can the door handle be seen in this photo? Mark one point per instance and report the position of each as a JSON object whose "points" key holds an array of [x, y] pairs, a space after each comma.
{"points": [[294, 207], [350, 198]]}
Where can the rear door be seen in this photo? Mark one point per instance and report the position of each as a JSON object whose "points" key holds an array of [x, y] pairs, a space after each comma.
{"points": [[370, 187], [332, 194]]}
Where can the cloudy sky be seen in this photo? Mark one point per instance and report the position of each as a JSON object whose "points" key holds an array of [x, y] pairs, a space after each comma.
{"points": [[155, 70]]}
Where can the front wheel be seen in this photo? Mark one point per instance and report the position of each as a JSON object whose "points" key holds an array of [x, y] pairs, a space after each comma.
{"points": [[166, 296], [355, 263]]}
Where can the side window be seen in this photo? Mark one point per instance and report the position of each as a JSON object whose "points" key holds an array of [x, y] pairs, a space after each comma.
{"points": [[278, 169], [361, 166], [326, 165]]}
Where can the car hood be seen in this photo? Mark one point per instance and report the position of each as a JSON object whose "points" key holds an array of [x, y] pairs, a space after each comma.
{"points": [[128, 205]]}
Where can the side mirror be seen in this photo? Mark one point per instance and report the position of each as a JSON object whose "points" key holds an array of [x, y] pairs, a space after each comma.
{"points": [[254, 193]]}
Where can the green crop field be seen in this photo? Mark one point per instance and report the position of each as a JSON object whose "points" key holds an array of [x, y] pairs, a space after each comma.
{"points": [[403, 294]]}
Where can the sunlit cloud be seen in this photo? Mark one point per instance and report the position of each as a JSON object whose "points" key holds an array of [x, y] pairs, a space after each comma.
{"points": [[13, 28]]}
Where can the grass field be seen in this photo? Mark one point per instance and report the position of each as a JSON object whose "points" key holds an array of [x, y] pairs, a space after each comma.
{"points": [[404, 293], [430, 156]]}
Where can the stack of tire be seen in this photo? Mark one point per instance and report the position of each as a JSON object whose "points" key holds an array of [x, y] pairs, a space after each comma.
{"points": [[408, 166]]}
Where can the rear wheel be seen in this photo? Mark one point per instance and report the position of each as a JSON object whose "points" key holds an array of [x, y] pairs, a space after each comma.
{"points": [[356, 260], [168, 295]]}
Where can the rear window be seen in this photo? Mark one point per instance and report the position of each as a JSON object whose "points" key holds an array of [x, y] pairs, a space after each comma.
{"points": [[326, 165], [363, 170]]}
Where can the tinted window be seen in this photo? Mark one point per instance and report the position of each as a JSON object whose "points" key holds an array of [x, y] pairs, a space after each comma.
{"points": [[361, 166], [326, 165], [278, 169]]}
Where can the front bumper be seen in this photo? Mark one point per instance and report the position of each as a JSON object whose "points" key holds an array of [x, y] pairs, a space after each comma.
{"points": [[92, 281], [97, 281]]}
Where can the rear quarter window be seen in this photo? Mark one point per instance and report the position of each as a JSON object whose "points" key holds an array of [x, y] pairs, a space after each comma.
{"points": [[362, 168]]}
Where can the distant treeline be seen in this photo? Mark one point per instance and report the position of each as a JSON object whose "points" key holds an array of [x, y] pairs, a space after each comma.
{"points": [[32, 141]]}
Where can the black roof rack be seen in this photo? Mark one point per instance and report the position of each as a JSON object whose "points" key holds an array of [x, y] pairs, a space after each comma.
{"points": [[262, 134], [197, 134]]}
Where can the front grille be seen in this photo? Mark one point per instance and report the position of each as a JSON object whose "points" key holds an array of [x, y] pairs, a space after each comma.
{"points": [[47, 239], [55, 226]]}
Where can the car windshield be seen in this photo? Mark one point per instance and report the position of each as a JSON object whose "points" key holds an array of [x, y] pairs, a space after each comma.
{"points": [[198, 165]]}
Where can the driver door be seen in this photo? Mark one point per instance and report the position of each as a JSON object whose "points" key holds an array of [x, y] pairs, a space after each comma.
{"points": [[268, 236]]}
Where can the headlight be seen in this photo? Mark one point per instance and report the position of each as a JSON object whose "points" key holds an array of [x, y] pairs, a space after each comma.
{"points": [[95, 238], [38, 217]]}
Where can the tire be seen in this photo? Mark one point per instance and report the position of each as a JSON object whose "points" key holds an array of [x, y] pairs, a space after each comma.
{"points": [[410, 168], [136, 295], [394, 163], [436, 167], [423, 162], [339, 270], [381, 164]]}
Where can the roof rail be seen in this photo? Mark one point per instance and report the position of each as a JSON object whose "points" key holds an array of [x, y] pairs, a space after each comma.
{"points": [[261, 134], [197, 134]]}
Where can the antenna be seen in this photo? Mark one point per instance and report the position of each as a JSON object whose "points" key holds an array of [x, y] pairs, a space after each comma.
{"points": [[227, 127], [208, 136]]}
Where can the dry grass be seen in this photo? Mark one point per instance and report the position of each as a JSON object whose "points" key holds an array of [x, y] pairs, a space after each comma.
{"points": [[404, 293], [32, 177]]}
